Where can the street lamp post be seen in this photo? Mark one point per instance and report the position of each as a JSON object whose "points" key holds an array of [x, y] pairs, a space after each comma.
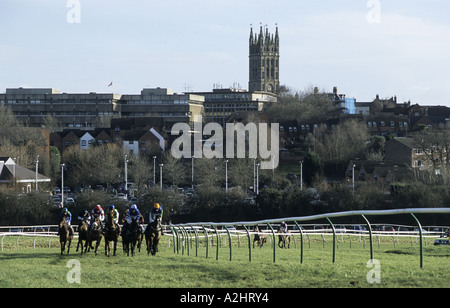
{"points": [[154, 170], [37, 167], [161, 175], [257, 179], [226, 176], [301, 174], [126, 175], [62, 185], [192, 172]]}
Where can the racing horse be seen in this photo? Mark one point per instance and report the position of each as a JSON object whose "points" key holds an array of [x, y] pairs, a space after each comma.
{"points": [[283, 238], [153, 233], [65, 237], [95, 234], [112, 233], [83, 234], [259, 238], [130, 236]]}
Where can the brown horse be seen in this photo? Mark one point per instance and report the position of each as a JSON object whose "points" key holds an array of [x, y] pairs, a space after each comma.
{"points": [[153, 233], [65, 236], [95, 234], [283, 238], [111, 235], [259, 238], [83, 235]]}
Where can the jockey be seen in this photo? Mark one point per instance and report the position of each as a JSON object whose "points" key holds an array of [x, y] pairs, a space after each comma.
{"points": [[98, 212], [132, 214], [116, 213], [284, 227], [156, 210], [84, 215], [67, 216]]}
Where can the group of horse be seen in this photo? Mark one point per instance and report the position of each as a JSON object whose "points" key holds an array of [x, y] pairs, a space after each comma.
{"points": [[132, 237], [284, 238]]}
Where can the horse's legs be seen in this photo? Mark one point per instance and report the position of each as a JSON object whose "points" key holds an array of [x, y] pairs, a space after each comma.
{"points": [[68, 246]]}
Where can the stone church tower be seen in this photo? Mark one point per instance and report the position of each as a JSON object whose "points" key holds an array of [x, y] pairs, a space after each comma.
{"points": [[264, 61]]}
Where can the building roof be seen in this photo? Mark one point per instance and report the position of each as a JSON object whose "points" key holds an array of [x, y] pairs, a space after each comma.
{"points": [[10, 172]]}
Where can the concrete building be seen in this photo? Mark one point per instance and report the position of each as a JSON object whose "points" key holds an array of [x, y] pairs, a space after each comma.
{"points": [[49, 107], [220, 104]]}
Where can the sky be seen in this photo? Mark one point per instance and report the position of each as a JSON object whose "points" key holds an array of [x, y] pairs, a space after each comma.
{"points": [[363, 47]]}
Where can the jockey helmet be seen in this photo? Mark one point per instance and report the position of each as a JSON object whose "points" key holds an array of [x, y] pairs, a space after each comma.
{"points": [[111, 207], [156, 206]]}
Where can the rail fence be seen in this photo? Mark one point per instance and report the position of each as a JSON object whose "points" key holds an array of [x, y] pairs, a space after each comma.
{"points": [[183, 234], [183, 237]]}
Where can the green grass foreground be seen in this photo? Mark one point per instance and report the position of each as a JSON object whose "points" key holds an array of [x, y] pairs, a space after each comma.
{"points": [[43, 267]]}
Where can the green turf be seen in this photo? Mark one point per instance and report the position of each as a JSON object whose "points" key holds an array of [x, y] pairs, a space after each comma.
{"points": [[399, 266]]}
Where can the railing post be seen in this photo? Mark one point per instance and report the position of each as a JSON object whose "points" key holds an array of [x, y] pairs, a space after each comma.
{"points": [[249, 244], [196, 240], [229, 239], [334, 240], [217, 244], [421, 239], [274, 242], [174, 236], [207, 240], [370, 236], [301, 241]]}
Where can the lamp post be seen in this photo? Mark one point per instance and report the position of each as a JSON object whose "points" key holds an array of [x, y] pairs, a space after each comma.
{"points": [[301, 174], [257, 179], [353, 178], [62, 185], [37, 167], [154, 170], [126, 175], [226, 176], [192, 180], [161, 176]]}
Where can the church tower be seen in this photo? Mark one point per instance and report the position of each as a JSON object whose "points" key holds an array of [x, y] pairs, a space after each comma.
{"points": [[264, 61]]}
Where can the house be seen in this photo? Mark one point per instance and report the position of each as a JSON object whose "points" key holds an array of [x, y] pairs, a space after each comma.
{"points": [[18, 177], [386, 172], [408, 152]]}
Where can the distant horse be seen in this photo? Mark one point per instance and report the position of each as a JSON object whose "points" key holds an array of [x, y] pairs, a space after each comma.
{"points": [[111, 235], [130, 236], [83, 235], [64, 236], [95, 234], [152, 235], [283, 238], [259, 238]]}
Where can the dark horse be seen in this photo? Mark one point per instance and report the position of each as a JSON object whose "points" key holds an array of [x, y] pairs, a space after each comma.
{"points": [[83, 235], [283, 238], [65, 236], [112, 233], [130, 236], [95, 234], [259, 238], [153, 233]]}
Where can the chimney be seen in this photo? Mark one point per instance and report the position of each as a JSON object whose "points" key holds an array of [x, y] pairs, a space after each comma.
{"points": [[316, 90], [335, 91]]}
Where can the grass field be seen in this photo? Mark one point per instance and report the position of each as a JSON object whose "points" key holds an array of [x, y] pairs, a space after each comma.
{"points": [[399, 266]]}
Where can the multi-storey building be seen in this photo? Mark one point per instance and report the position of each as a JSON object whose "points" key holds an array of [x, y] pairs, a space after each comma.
{"points": [[221, 104], [38, 107]]}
